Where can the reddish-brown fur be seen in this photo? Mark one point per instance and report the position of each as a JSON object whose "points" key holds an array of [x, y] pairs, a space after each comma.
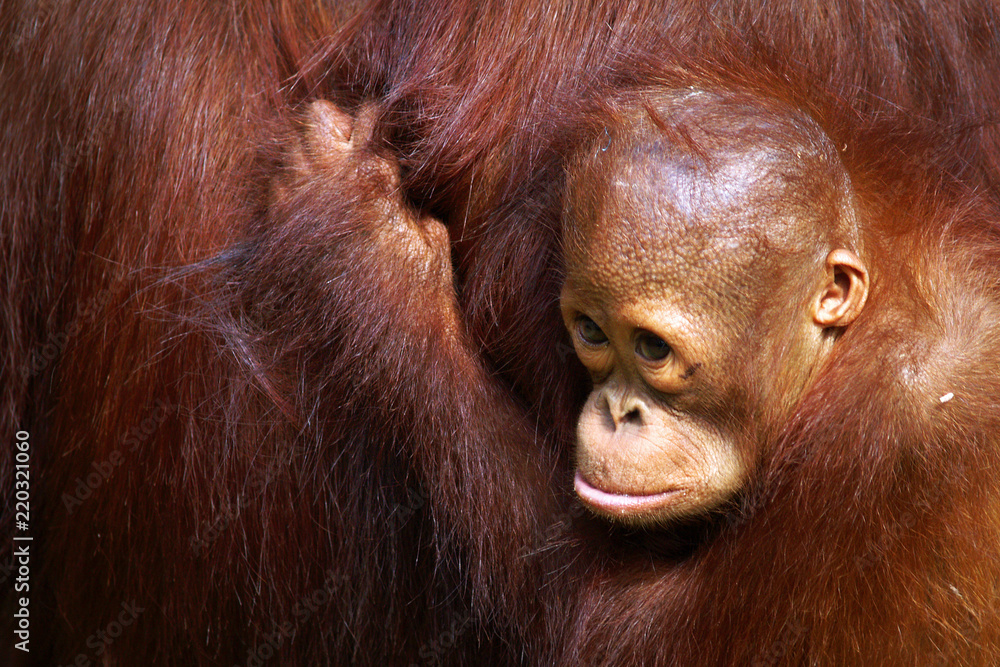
{"points": [[310, 429]]}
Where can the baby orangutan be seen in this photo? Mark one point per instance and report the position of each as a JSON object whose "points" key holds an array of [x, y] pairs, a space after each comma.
{"points": [[712, 258]]}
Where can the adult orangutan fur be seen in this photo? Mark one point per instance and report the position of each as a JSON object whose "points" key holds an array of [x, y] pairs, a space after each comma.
{"points": [[259, 436]]}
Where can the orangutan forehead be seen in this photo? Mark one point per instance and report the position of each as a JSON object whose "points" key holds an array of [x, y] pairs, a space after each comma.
{"points": [[624, 262], [664, 224], [703, 208]]}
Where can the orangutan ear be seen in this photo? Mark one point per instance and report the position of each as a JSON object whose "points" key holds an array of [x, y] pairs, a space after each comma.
{"points": [[845, 291]]}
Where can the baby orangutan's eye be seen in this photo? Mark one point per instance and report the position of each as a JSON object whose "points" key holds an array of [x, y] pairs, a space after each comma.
{"points": [[651, 348], [589, 332]]}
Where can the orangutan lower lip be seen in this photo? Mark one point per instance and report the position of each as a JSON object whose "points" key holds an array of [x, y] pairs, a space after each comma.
{"points": [[618, 503]]}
